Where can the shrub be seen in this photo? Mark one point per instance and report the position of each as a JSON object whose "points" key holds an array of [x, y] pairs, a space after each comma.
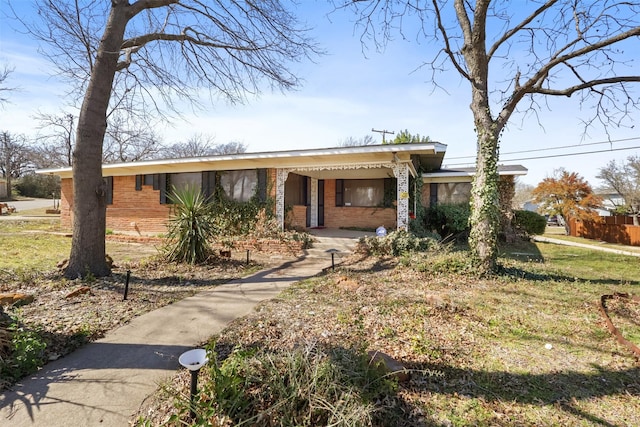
{"points": [[529, 223], [25, 356], [396, 243], [448, 262], [233, 218], [449, 220], [303, 387], [41, 186], [190, 227]]}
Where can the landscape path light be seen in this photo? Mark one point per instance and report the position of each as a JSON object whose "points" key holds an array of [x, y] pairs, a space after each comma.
{"points": [[193, 360], [333, 252]]}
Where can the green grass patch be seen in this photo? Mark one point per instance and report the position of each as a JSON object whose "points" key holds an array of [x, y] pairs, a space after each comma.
{"points": [[582, 240], [589, 264], [32, 251]]}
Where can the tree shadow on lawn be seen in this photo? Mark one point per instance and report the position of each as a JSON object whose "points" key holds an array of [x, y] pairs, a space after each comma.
{"points": [[535, 276], [560, 389]]}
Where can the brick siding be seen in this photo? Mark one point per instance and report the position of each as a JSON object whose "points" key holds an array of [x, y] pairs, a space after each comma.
{"points": [[132, 212], [140, 212]]}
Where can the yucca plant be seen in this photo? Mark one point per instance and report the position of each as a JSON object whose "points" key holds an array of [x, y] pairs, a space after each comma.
{"points": [[190, 228]]}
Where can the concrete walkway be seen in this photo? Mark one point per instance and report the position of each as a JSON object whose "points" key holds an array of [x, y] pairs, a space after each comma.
{"points": [[104, 383]]}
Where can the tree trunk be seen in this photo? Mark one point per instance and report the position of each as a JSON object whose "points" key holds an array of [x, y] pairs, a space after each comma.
{"points": [[485, 206], [89, 203], [7, 174]]}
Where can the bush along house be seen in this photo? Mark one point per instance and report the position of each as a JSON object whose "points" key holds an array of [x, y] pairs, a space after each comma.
{"points": [[360, 187]]}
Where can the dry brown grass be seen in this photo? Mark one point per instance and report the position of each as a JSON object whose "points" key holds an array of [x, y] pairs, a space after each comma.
{"points": [[525, 348]]}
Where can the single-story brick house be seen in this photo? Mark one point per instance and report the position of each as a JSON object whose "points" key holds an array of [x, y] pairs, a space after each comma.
{"points": [[364, 186]]}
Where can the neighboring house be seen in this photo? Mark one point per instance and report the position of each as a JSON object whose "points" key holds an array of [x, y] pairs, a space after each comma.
{"points": [[611, 200], [530, 206], [365, 186], [454, 185], [3, 188]]}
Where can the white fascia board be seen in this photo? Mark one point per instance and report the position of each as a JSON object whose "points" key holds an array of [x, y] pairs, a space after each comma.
{"points": [[289, 159]]}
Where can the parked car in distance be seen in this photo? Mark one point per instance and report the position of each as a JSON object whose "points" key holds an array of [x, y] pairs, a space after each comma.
{"points": [[553, 220]]}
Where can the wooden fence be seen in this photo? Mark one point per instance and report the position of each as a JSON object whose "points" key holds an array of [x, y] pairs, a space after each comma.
{"points": [[612, 229]]}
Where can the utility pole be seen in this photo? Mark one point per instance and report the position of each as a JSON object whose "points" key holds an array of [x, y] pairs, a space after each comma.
{"points": [[383, 132]]}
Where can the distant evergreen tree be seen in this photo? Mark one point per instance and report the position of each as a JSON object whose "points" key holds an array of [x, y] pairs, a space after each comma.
{"points": [[405, 137]]}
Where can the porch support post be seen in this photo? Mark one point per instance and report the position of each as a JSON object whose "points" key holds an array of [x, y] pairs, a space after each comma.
{"points": [[281, 178], [401, 172], [314, 202]]}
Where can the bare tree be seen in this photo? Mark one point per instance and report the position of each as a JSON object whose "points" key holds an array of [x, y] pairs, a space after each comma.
{"points": [[230, 148], [515, 57], [56, 140], [148, 53], [197, 145], [523, 194], [130, 140], [4, 75], [357, 142], [15, 158], [625, 179]]}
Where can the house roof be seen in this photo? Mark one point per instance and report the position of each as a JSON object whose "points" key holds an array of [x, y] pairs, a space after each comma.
{"points": [[320, 163], [467, 174]]}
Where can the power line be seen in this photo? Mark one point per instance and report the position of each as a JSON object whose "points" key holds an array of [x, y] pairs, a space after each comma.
{"points": [[554, 155], [559, 148]]}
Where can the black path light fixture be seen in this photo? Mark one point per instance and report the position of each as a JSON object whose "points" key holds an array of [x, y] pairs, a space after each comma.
{"points": [[333, 252], [193, 360]]}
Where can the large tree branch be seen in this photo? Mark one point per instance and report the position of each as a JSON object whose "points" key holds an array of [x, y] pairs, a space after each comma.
{"points": [[447, 49], [133, 45], [141, 5], [534, 84], [510, 33], [539, 77], [586, 85]]}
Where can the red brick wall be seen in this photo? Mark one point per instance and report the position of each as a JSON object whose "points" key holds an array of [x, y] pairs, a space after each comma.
{"points": [[140, 212], [66, 202], [137, 212], [297, 217], [126, 215]]}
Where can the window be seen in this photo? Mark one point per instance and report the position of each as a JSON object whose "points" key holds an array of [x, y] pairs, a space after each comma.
{"points": [[146, 180], [108, 189], [180, 181], [296, 189], [168, 183], [239, 185], [454, 192], [360, 192]]}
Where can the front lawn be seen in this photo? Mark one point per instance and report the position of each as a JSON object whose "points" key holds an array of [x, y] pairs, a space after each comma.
{"points": [[528, 347]]}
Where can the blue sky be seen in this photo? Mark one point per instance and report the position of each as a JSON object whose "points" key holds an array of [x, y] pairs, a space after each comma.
{"points": [[345, 94]]}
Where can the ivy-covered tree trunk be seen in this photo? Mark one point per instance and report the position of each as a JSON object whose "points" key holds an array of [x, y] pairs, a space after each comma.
{"points": [[485, 206], [89, 202]]}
